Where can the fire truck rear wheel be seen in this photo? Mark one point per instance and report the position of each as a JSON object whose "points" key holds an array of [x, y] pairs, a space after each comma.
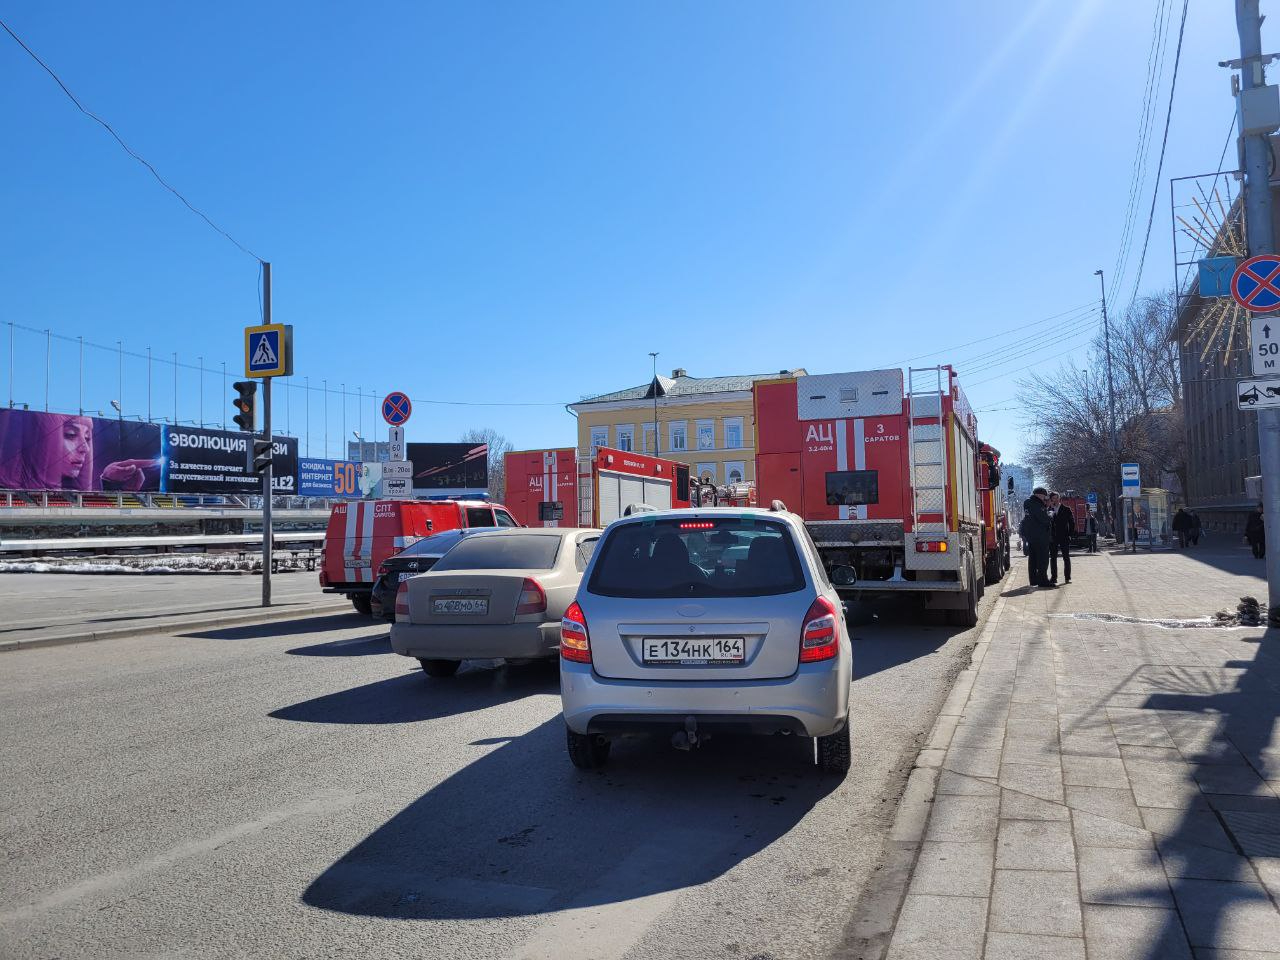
{"points": [[995, 568], [967, 616], [363, 603]]}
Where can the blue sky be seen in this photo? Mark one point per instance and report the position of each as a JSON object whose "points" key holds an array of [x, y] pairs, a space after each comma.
{"points": [[516, 202]]}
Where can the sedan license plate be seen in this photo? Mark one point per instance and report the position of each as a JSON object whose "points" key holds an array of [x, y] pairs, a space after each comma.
{"points": [[464, 606], [694, 650], [406, 576]]}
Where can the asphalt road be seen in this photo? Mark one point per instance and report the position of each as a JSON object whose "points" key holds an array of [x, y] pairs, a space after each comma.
{"points": [[257, 792], [43, 604]]}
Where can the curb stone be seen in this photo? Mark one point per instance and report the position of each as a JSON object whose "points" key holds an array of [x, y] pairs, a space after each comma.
{"points": [[224, 620]]}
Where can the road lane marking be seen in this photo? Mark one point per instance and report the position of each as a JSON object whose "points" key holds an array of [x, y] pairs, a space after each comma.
{"points": [[607, 920], [112, 880]]}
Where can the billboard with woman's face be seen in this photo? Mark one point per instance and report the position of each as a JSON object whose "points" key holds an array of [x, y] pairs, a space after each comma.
{"points": [[57, 451]]}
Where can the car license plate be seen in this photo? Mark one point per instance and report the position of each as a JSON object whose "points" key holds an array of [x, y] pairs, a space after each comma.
{"points": [[406, 576], [464, 606], [694, 650]]}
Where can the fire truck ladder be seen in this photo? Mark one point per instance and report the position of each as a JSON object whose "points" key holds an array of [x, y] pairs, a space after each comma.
{"points": [[926, 386], [582, 484]]}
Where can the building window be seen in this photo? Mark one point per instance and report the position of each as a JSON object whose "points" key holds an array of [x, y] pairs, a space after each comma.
{"points": [[733, 433], [707, 471], [626, 436], [706, 434], [735, 471], [648, 435], [599, 438], [679, 438]]}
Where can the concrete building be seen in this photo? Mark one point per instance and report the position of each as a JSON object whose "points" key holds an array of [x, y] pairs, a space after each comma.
{"points": [[705, 422]]}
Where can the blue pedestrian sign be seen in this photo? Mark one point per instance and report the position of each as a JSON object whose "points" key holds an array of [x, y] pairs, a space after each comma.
{"points": [[268, 350], [396, 408], [1256, 283]]}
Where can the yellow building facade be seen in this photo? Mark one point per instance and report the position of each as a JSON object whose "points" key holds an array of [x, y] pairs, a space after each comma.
{"points": [[705, 422]]}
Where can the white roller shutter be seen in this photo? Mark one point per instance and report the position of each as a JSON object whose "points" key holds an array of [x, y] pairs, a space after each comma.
{"points": [[631, 491], [657, 493], [609, 498]]}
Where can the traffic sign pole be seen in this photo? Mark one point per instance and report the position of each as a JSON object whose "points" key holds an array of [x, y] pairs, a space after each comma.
{"points": [[1257, 202], [266, 432]]}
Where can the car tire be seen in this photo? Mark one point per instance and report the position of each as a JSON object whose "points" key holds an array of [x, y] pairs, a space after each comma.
{"points": [[363, 604], [586, 750], [439, 668], [834, 752], [995, 569], [967, 616]]}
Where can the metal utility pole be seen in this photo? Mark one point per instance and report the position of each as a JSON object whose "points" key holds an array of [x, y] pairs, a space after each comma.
{"points": [[81, 339], [1257, 203], [200, 361], [48, 366], [326, 418], [10, 364], [307, 405], [657, 440], [224, 393], [344, 419], [266, 435], [1111, 408], [224, 385], [175, 388]]}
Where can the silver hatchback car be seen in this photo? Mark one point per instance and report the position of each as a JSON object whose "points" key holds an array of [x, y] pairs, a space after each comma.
{"points": [[694, 621]]}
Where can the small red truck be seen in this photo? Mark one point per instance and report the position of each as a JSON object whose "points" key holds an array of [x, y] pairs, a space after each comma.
{"points": [[363, 533], [885, 475], [550, 488]]}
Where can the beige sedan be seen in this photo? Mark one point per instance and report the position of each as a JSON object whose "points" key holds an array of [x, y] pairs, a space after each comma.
{"points": [[498, 594]]}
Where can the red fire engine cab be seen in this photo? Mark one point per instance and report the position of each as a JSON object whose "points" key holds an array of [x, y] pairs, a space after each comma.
{"points": [[552, 488], [885, 477], [995, 514]]}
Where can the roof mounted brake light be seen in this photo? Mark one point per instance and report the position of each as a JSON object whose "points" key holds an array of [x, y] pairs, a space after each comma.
{"points": [[697, 525]]}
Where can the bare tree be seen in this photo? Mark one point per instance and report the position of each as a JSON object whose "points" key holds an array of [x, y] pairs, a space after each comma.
{"points": [[1067, 411], [499, 447]]}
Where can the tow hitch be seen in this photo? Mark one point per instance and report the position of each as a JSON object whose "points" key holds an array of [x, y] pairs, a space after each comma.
{"points": [[687, 738]]}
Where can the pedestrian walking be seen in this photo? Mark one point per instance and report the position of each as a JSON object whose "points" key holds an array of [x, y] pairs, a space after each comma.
{"points": [[1193, 535], [1255, 531], [1035, 532], [1182, 526], [1062, 529], [1132, 526]]}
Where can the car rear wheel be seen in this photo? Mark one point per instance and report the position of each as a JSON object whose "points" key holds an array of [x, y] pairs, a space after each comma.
{"points": [[363, 603], [586, 750], [834, 753], [439, 668]]}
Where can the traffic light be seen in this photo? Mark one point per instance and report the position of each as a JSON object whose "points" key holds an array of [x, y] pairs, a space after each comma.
{"points": [[245, 404], [261, 455]]}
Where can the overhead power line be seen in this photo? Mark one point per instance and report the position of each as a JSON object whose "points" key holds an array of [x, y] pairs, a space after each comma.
{"points": [[1090, 307], [127, 149], [1164, 143]]}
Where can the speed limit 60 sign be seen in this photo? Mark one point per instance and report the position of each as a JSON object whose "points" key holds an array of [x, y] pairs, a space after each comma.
{"points": [[1265, 346]]}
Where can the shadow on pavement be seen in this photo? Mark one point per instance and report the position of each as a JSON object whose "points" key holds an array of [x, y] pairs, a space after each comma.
{"points": [[520, 831], [888, 633], [357, 647], [1222, 720], [287, 628], [414, 697]]}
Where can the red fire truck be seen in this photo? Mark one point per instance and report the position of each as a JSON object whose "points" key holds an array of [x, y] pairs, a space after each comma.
{"points": [[548, 488], [995, 514], [886, 480]]}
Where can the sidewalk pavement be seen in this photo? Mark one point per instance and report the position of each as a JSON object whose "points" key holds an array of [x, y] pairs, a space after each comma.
{"points": [[1105, 789]]}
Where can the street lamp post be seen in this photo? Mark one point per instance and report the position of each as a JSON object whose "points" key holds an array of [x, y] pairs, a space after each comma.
{"points": [[657, 440], [1111, 405]]}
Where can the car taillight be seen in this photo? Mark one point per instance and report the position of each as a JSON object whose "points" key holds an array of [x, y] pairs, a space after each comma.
{"points": [[931, 546], [402, 603], [575, 644], [818, 640], [533, 599], [383, 569]]}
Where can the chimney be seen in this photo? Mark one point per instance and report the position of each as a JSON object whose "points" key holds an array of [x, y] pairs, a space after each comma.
{"points": [[679, 372]]}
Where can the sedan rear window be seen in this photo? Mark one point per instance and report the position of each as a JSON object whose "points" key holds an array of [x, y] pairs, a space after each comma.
{"points": [[697, 557], [508, 551], [433, 545]]}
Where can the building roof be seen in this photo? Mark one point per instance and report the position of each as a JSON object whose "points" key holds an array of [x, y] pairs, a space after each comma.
{"points": [[686, 386]]}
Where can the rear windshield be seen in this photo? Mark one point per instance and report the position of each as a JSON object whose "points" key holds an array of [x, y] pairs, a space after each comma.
{"points": [[508, 551], [436, 544], [722, 557]]}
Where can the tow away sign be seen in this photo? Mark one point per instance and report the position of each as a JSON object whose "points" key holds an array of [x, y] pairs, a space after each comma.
{"points": [[1258, 394], [1265, 345]]}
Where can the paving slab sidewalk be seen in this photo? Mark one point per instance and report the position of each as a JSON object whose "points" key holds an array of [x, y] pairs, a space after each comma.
{"points": [[1106, 788]]}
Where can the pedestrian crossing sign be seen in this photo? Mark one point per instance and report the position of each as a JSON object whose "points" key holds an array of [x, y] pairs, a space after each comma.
{"points": [[268, 350]]}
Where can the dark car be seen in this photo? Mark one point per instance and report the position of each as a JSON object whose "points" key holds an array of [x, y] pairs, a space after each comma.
{"points": [[414, 559]]}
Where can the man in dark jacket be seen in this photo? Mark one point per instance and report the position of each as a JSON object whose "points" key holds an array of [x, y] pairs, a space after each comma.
{"points": [[1035, 531], [1063, 528], [1255, 531], [1182, 526]]}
